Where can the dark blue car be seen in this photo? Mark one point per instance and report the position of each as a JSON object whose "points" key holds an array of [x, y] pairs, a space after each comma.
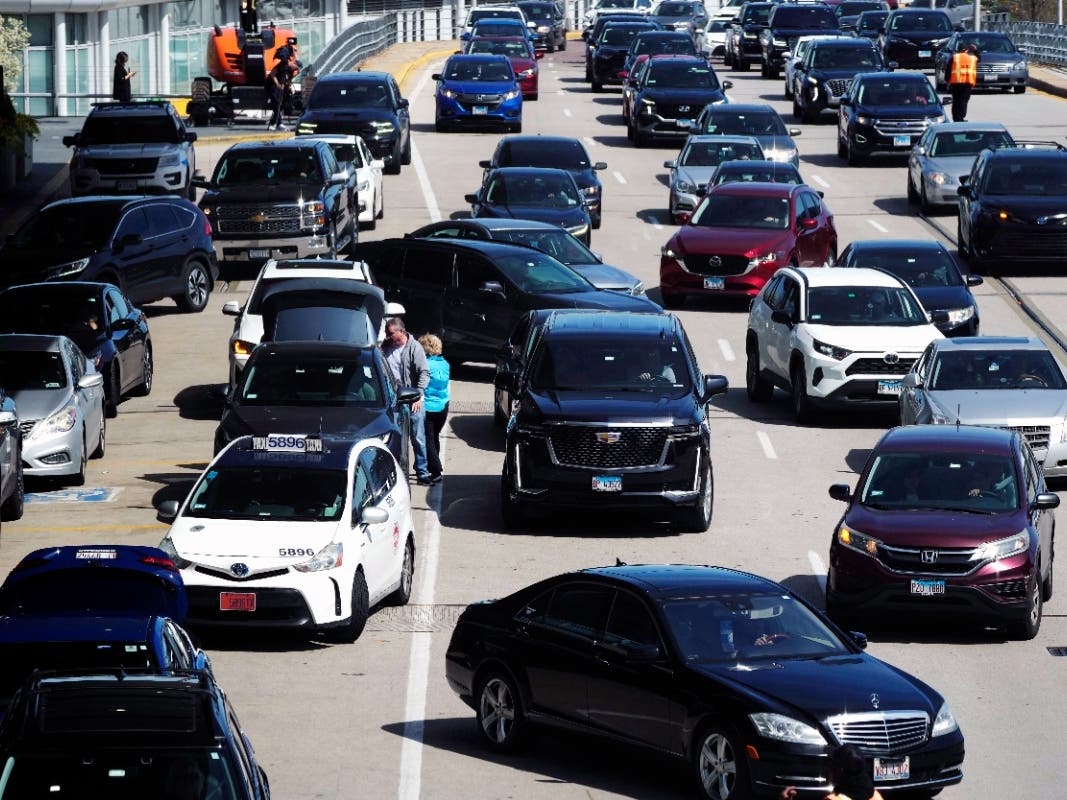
{"points": [[537, 193], [478, 91]]}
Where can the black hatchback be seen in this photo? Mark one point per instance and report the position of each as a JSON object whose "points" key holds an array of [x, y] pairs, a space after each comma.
{"points": [[149, 247]]}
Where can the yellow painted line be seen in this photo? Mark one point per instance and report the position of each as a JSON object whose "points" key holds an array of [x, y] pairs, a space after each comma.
{"points": [[403, 73], [82, 528]]}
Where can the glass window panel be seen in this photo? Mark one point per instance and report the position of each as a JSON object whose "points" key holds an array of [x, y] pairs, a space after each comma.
{"points": [[40, 27], [39, 71], [77, 25]]}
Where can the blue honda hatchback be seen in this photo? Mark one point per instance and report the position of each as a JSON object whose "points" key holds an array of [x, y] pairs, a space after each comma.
{"points": [[478, 91]]}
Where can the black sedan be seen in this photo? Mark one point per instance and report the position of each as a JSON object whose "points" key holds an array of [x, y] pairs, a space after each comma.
{"points": [[100, 319], [729, 671], [537, 193]]}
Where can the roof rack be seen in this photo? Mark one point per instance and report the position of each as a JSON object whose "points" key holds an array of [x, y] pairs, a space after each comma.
{"points": [[155, 102], [1035, 144]]}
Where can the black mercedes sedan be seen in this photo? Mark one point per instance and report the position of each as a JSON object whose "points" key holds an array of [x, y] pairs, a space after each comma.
{"points": [[728, 671]]}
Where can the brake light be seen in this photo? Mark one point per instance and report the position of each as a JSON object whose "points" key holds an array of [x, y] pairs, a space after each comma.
{"points": [[162, 563], [207, 227]]}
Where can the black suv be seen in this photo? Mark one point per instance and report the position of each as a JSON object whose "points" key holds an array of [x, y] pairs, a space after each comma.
{"points": [[280, 199], [912, 36], [669, 95], [828, 69], [886, 111], [787, 23], [612, 412], [742, 36], [550, 25], [1012, 208], [127, 734], [611, 50], [150, 247], [132, 148], [366, 104], [472, 293]]}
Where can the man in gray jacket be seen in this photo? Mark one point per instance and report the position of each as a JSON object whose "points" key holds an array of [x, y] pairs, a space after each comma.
{"points": [[407, 361]]}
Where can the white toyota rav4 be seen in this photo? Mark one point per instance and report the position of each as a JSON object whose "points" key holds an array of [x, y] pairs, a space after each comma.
{"points": [[834, 337]]}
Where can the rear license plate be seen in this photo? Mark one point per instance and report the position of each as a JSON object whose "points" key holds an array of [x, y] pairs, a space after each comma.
{"points": [[607, 483], [237, 601], [902, 140], [125, 186], [925, 53], [892, 769], [714, 283], [890, 387], [927, 588], [259, 253], [480, 110]]}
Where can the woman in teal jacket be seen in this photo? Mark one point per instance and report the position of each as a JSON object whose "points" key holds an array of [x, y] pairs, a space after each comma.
{"points": [[436, 401]]}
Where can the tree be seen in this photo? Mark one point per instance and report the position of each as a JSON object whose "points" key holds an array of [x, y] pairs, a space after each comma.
{"points": [[14, 36]]}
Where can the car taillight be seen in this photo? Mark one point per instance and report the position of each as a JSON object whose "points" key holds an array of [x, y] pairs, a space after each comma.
{"points": [[162, 563], [207, 227]]}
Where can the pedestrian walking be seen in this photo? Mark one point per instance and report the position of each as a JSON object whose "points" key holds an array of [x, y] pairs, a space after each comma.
{"points": [[279, 75], [961, 74], [407, 362], [436, 396], [120, 84]]}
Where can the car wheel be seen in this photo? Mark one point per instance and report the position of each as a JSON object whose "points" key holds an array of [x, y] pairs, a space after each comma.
{"points": [[772, 71], [631, 131], [842, 150], [719, 766], [1019, 89], [672, 300], [789, 95], [510, 509], [640, 139], [759, 389], [190, 190], [439, 126], [763, 69], [501, 719], [500, 419], [854, 158], [924, 203], [798, 112], [961, 248], [381, 204], [393, 165], [1027, 628], [112, 390], [532, 97], [516, 128], [697, 518], [101, 446], [78, 478], [802, 409], [831, 255], [563, 43], [402, 595], [1046, 584], [913, 196], [14, 506], [742, 64], [197, 288], [144, 388], [808, 114], [598, 86], [405, 156], [352, 629]]}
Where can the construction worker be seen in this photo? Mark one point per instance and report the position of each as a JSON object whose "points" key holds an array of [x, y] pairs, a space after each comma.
{"points": [[961, 74]]}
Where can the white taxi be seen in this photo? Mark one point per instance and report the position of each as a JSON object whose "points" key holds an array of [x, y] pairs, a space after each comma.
{"points": [[294, 531]]}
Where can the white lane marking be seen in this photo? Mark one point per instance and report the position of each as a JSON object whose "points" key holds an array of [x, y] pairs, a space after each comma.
{"points": [[727, 351], [619, 178], [419, 661], [646, 235], [420, 168], [589, 140], [765, 443], [566, 112], [820, 181], [818, 568], [877, 226]]}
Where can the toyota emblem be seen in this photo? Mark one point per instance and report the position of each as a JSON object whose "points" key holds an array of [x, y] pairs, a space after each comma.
{"points": [[239, 570], [891, 358], [715, 262]]}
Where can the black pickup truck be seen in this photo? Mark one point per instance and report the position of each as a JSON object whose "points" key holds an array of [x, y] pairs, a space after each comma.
{"points": [[283, 199]]}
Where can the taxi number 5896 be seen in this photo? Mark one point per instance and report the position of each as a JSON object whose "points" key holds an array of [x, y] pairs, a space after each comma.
{"points": [[290, 552], [276, 442]]}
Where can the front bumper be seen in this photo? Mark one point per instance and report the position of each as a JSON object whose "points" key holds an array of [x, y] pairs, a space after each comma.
{"points": [[911, 56], [845, 383], [676, 279], [451, 112], [654, 126], [866, 139], [259, 249], [1002, 80], [943, 193], [53, 454], [168, 180], [1019, 242]]}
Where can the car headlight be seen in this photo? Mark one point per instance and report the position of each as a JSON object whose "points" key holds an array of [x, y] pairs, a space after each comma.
{"points": [[167, 546], [526, 73], [957, 316], [786, 729], [639, 289], [591, 191], [383, 126], [1019, 65], [940, 178], [857, 541], [68, 269], [782, 155], [59, 422], [766, 258], [543, 29], [862, 119], [169, 160], [449, 93], [312, 213], [830, 350], [935, 120], [242, 348], [750, 35], [813, 81], [944, 722], [1003, 548], [306, 127], [511, 95], [685, 187], [328, 557], [779, 42]]}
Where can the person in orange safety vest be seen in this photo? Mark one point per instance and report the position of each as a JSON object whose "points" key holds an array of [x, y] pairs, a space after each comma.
{"points": [[961, 74]]}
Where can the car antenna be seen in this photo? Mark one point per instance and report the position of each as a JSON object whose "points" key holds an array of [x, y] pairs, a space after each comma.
{"points": [[619, 562], [957, 417]]}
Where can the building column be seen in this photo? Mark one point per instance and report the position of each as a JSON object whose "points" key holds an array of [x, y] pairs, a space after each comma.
{"points": [[59, 64], [163, 51], [101, 82], [342, 16]]}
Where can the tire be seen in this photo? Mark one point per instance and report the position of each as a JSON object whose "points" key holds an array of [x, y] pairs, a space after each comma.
{"points": [[405, 155], [499, 418], [510, 509], [640, 139], [190, 191], [697, 518], [854, 158], [788, 93], [742, 64], [924, 203], [672, 300], [78, 478], [499, 713], [14, 506], [532, 97], [1018, 89], [598, 86], [913, 196], [393, 167], [759, 389], [719, 766], [516, 128], [197, 288], [1027, 629], [772, 72], [439, 126], [961, 248], [798, 387], [831, 255], [630, 131], [563, 44], [763, 69], [842, 150], [402, 595], [381, 203], [144, 388], [101, 446], [1047, 584], [798, 112], [808, 114], [113, 393], [352, 629]]}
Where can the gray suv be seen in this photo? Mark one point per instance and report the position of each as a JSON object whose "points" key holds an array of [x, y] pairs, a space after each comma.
{"points": [[132, 148], [11, 482]]}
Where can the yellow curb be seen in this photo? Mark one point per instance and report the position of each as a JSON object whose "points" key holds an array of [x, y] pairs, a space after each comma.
{"points": [[403, 73], [231, 138]]}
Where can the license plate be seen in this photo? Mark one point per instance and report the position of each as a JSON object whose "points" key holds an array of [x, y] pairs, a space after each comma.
{"points": [[890, 387], [685, 124], [902, 140], [480, 110], [125, 186], [923, 588], [607, 483], [714, 283], [990, 77], [925, 53], [237, 601], [259, 253], [892, 769]]}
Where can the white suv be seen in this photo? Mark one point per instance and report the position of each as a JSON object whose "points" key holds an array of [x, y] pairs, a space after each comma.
{"points": [[487, 12], [834, 336], [352, 153]]}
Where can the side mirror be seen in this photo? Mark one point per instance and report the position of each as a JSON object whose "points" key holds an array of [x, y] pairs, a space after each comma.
{"points": [[859, 639], [91, 379], [1047, 500], [642, 654], [959, 26], [911, 380], [231, 308], [470, 198], [436, 76], [787, 55], [600, 165], [486, 164], [377, 163], [493, 287], [881, 30], [946, 100], [974, 280], [846, 102], [713, 385], [200, 182], [727, 85], [190, 136], [893, 65], [841, 491], [795, 131], [8, 418], [539, 54], [781, 317], [939, 316], [964, 191], [408, 395], [372, 515], [124, 324], [72, 140], [167, 511], [338, 178], [671, 164]]}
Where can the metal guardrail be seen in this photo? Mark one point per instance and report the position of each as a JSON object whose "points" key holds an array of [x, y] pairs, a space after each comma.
{"points": [[1042, 42], [358, 41]]}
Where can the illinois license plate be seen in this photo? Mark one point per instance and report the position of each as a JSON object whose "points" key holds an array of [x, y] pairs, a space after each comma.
{"points": [[714, 283], [259, 253], [607, 483], [925, 53], [990, 77], [902, 140], [925, 588], [125, 186], [237, 601], [892, 769], [890, 387], [480, 110]]}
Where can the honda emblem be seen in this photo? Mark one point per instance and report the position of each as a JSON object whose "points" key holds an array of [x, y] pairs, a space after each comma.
{"points": [[929, 556]]}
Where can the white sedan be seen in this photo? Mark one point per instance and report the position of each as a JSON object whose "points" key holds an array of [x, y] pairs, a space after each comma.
{"points": [[352, 153]]}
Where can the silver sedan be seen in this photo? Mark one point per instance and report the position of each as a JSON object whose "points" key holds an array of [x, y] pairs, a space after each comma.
{"points": [[699, 158], [944, 153]]}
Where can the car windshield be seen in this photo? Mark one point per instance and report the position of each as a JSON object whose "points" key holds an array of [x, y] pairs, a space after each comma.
{"points": [[996, 369], [989, 44], [619, 36], [756, 15], [53, 310], [936, 22], [815, 17], [845, 58], [742, 211], [916, 92], [557, 243], [745, 123], [561, 154], [981, 484], [968, 143], [491, 13], [615, 4], [852, 8], [655, 45], [358, 94], [776, 173], [537, 273], [538, 10], [917, 267], [605, 363], [244, 168], [479, 70], [863, 306], [514, 48], [1034, 177], [748, 627], [129, 772], [554, 190], [346, 153], [498, 27], [32, 370], [269, 493], [703, 153], [125, 128], [681, 76], [871, 20], [674, 10], [310, 381], [68, 226]]}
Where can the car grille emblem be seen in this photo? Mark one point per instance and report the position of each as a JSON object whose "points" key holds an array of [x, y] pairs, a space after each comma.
{"points": [[683, 109], [714, 261], [891, 358], [929, 556], [483, 97], [259, 216], [239, 570], [875, 700], [608, 437]]}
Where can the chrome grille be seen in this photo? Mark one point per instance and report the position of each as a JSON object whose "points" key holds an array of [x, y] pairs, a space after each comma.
{"points": [[1036, 436], [881, 732], [267, 226], [928, 560], [479, 99], [26, 427], [226, 575], [838, 86], [578, 446], [997, 67], [259, 219], [705, 264], [125, 166], [877, 366], [895, 127]]}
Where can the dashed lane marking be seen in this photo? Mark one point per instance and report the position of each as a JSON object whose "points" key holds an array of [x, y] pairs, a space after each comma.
{"points": [[877, 226], [727, 351], [765, 443]]}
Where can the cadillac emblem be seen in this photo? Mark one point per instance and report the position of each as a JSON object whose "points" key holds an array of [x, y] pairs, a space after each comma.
{"points": [[891, 358], [239, 570], [608, 437]]}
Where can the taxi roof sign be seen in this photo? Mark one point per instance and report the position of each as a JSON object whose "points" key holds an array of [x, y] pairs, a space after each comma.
{"points": [[287, 443]]}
